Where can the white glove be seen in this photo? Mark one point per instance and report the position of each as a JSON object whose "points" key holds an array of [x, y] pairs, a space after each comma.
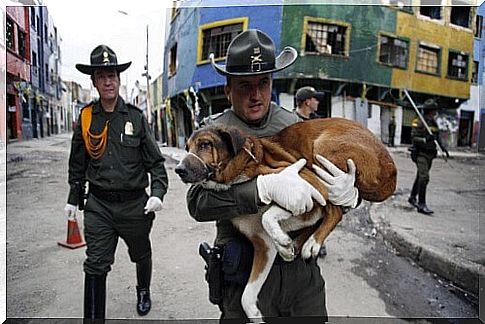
{"points": [[289, 190], [340, 185], [153, 204], [70, 210]]}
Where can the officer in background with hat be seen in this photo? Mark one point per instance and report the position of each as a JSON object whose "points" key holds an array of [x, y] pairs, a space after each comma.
{"points": [[112, 150], [292, 288], [423, 152], [307, 100]]}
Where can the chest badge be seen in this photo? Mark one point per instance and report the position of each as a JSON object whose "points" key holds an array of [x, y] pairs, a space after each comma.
{"points": [[128, 128]]}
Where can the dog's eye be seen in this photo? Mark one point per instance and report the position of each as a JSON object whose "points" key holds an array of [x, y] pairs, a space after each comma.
{"points": [[205, 145]]}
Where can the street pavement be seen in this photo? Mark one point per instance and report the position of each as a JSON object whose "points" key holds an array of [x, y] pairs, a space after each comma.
{"points": [[445, 243]]}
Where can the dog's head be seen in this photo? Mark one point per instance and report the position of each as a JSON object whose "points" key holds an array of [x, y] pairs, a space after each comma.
{"points": [[209, 150]]}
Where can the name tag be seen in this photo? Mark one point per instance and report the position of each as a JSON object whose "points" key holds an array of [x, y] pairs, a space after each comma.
{"points": [[129, 128]]}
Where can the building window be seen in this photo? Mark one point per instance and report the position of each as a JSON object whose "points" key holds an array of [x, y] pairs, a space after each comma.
{"points": [[10, 35], [433, 12], [216, 40], [172, 61], [475, 72], [21, 44], [457, 65], [428, 59], [460, 14], [326, 38], [47, 73], [478, 26], [393, 51], [32, 17]]}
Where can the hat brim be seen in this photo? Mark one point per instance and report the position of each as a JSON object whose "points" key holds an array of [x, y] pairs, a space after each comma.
{"points": [[89, 69], [283, 60]]}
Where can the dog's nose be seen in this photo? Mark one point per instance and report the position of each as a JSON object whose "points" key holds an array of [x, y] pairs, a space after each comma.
{"points": [[181, 170]]}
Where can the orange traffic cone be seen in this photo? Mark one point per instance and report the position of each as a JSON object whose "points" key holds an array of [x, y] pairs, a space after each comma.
{"points": [[74, 239]]}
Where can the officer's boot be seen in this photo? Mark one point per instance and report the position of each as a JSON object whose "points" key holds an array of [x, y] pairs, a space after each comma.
{"points": [[94, 299], [422, 208], [143, 276], [414, 193]]}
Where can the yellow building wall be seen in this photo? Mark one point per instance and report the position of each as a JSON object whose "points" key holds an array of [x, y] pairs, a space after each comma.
{"points": [[417, 29]]}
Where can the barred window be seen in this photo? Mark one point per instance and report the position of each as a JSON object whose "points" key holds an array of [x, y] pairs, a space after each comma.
{"points": [[323, 38], [428, 59], [393, 51], [10, 35], [216, 40], [457, 65]]}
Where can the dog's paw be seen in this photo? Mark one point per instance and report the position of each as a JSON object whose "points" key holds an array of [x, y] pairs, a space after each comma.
{"points": [[310, 248], [287, 252]]}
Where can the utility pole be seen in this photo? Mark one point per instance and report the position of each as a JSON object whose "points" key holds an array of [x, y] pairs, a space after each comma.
{"points": [[148, 102]]}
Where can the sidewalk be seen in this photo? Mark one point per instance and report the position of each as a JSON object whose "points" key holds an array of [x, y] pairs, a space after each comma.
{"points": [[445, 243]]}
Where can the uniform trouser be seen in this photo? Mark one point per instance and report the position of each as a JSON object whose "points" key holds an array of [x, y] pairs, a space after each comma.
{"points": [[423, 165], [292, 289], [105, 222]]}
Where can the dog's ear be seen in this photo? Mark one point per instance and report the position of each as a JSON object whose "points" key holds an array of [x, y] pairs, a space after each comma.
{"points": [[233, 138]]}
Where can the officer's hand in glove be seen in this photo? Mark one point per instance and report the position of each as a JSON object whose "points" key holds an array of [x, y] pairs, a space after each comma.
{"points": [[153, 204], [289, 190], [70, 210], [340, 185]]}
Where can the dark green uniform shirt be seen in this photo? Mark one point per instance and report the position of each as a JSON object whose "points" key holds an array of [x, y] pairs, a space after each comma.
{"points": [[422, 140], [221, 206], [131, 152]]}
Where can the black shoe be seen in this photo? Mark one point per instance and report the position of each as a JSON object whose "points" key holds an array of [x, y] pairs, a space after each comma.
{"points": [[423, 209], [144, 303], [323, 251], [413, 201]]}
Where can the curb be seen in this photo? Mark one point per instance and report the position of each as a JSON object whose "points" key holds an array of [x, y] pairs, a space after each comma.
{"points": [[464, 273]]}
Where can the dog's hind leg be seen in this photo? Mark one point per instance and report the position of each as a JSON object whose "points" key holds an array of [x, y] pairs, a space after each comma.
{"points": [[333, 215], [264, 255], [271, 221]]}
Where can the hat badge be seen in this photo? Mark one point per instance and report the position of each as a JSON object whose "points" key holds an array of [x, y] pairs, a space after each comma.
{"points": [[256, 60], [105, 57]]}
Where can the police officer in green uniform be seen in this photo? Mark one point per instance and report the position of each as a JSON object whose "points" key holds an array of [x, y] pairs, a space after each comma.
{"points": [[423, 152], [112, 150], [295, 288]]}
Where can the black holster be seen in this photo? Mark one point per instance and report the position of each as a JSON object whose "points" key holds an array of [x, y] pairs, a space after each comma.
{"points": [[213, 275]]}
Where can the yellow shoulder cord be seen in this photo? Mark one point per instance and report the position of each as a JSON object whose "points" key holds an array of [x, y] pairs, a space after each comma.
{"points": [[95, 143]]}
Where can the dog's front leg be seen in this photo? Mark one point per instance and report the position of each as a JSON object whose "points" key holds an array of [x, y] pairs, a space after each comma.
{"points": [[264, 255], [271, 220]]}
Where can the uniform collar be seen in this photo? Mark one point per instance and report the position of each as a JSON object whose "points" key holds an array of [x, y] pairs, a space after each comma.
{"points": [[120, 106]]}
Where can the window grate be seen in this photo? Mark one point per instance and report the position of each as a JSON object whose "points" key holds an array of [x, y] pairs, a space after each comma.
{"points": [[428, 59], [393, 51], [322, 38], [216, 40]]}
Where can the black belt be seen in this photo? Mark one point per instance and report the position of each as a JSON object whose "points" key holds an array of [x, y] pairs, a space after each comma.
{"points": [[116, 196]]}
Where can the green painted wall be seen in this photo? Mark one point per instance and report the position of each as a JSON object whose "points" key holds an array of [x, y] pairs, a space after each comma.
{"points": [[365, 21]]}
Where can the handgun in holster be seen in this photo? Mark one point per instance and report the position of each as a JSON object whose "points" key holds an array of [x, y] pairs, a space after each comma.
{"points": [[214, 275], [81, 192]]}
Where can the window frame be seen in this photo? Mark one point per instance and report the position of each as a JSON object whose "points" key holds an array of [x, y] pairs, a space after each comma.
{"points": [[212, 25], [172, 61], [457, 52], [477, 33], [455, 5], [12, 40], [348, 29], [439, 57], [475, 71], [393, 37]]}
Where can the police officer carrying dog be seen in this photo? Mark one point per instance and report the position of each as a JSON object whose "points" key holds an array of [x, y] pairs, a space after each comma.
{"points": [[424, 150], [112, 150], [292, 289]]}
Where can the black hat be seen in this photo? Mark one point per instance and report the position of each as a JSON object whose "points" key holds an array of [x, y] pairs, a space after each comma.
{"points": [[308, 92], [252, 52], [102, 57], [429, 104]]}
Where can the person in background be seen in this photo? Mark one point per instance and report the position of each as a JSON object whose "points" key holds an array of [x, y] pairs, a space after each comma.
{"points": [[292, 288], [307, 100], [423, 152], [392, 130], [113, 150]]}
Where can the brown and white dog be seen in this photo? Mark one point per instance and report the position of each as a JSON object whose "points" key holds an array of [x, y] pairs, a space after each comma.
{"points": [[219, 156]]}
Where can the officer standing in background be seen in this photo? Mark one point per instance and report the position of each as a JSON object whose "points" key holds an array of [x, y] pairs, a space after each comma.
{"points": [[392, 130], [307, 100], [113, 149], [424, 151]]}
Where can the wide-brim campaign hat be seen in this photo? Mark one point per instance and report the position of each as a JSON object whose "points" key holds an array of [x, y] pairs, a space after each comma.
{"points": [[252, 52], [102, 57]]}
